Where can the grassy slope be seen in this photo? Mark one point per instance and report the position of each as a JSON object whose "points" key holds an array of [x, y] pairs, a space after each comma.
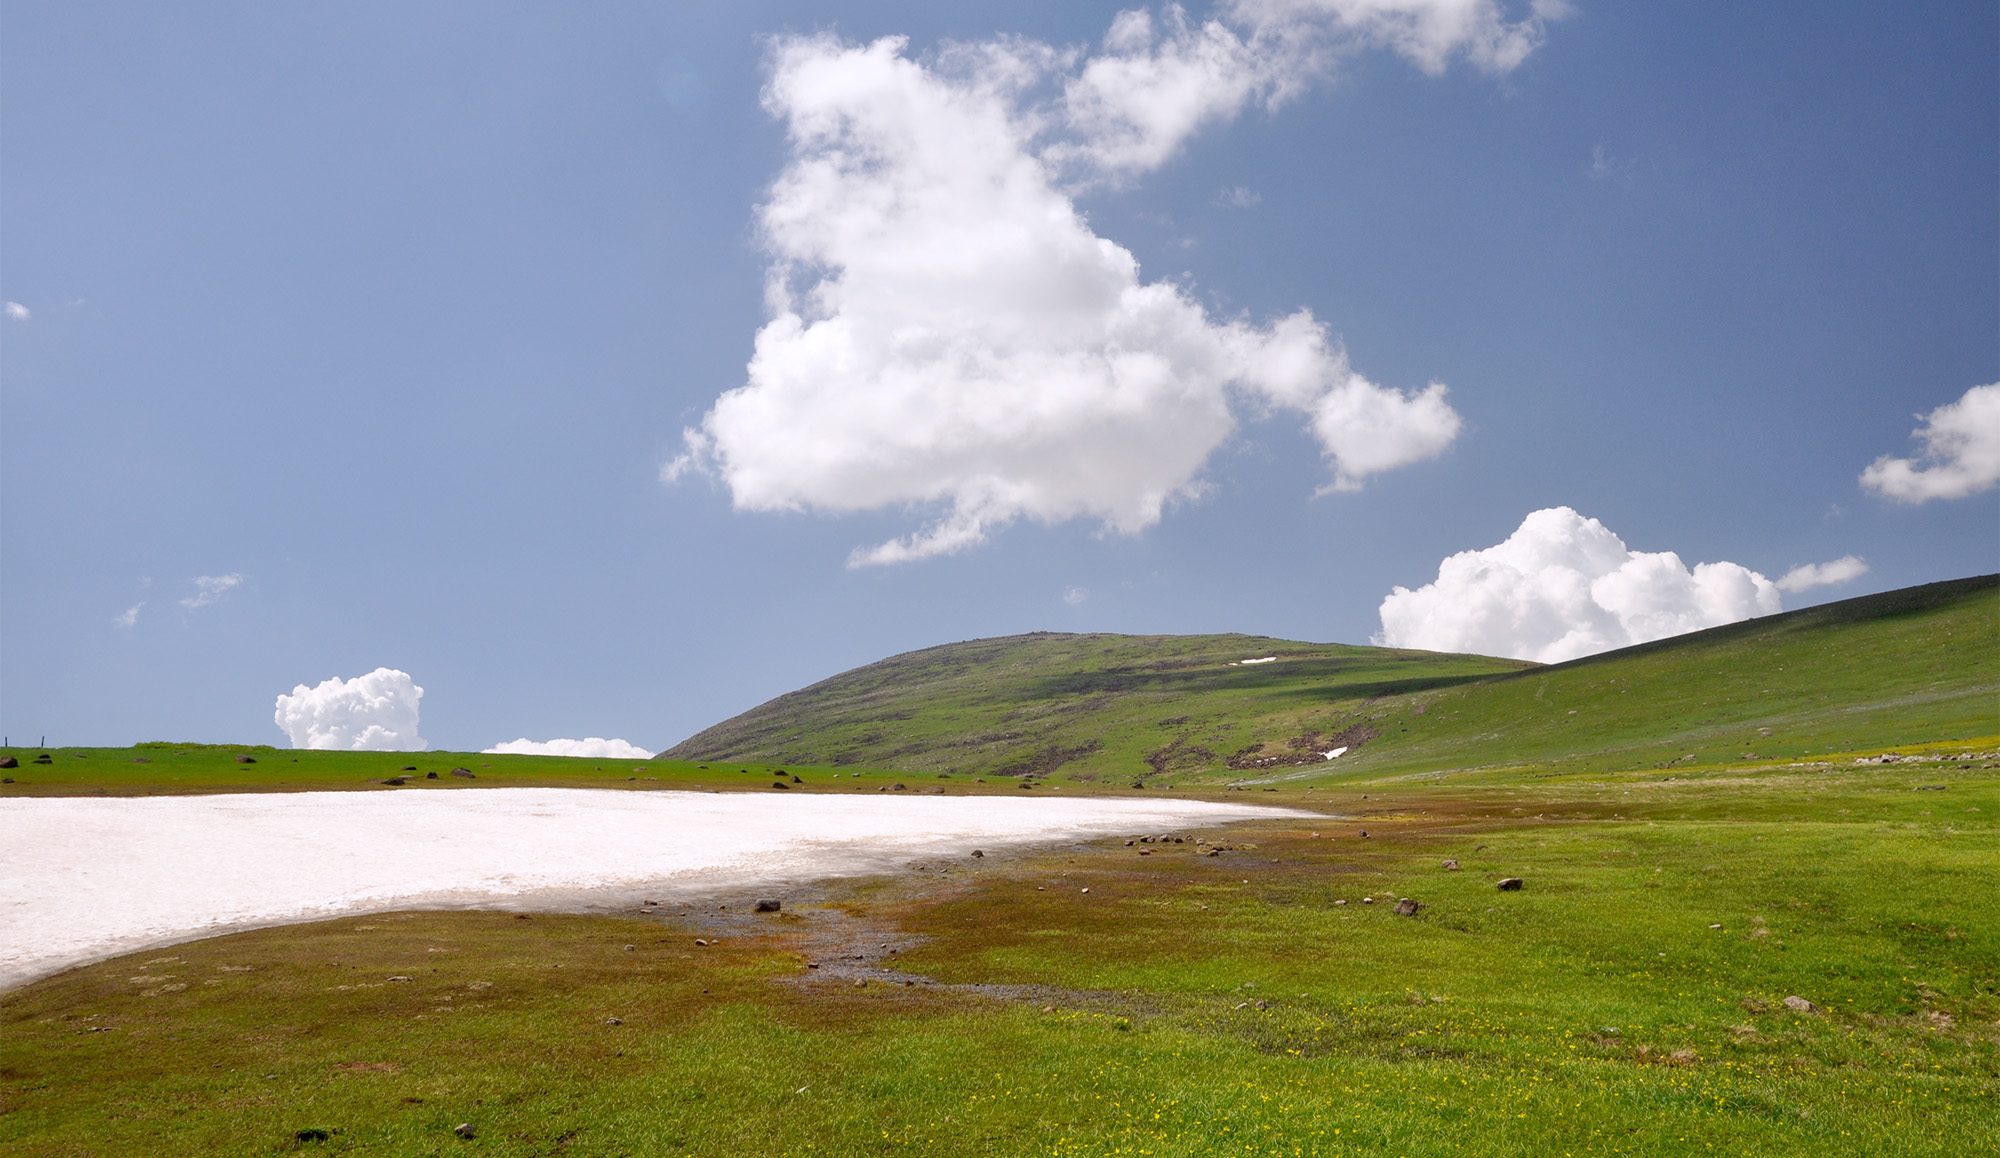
{"points": [[1897, 668], [1480, 1026]]}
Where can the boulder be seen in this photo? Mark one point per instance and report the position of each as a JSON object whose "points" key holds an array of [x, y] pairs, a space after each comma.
{"points": [[9, 762], [464, 773], [1509, 885], [430, 776], [1407, 907], [464, 1130], [781, 784], [1451, 866], [769, 906], [1798, 1004], [246, 759]]}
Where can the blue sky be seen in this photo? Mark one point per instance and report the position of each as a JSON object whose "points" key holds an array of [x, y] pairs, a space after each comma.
{"points": [[394, 313]]}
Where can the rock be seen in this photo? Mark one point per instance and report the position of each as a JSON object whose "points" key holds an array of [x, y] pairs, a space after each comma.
{"points": [[397, 781], [464, 773], [1364, 834], [465, 1130], [796, 780], [312, 1135], [1407, 907], [769, 906], [700, 941], [1798, 1004], [399, 977], [430, 776], [1215, 852], [9, 762], [6, 779], [246, 759], [780, 784], [898, 788], [1509, 885], [406, 767], [1368, 900], [1261, 1005], [631, 948], [614, 1021], [1451, 866], [977, 853]]}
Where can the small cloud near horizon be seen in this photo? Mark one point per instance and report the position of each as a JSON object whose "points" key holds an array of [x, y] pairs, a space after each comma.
{"points": [[1075, 595], [1806, 576], [1563, 586], [211, 589], [1960, 457], [376, 712], [594, 746]]}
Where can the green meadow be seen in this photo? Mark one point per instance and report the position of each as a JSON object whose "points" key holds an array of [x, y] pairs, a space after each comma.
{"points": [[1248, 989]]}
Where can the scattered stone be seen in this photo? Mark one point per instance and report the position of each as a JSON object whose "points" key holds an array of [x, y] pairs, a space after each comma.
{"points": [[45, 758], [614, 1021], [246, 759], [898, 788], [1368, 900], [430, 776], [406, 767], [312, 1135], [700, 941], [399, 977], [780, 784], [6, 779], [769, 906], [1086, 890], [464, 773], [9, 762], [1451, 866], [1509, 885], [977, 853], [1715, 926], [1260, 1005], [1407, 907], [396, 781], [464, 1130], [861, 983], [1215, 852], [1798, 1004], [631, 948], [1364, 834], [1340, 902]]}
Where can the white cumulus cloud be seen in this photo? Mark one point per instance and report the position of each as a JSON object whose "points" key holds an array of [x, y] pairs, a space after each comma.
{"points": [[210, 589], [947, 331], [1806, 576], [593, 746], [376, 712], [1961, 453], [1563, 586], [18, 312], [129, 616]]}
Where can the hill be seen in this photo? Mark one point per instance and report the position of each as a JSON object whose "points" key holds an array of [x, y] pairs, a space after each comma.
{"points": [[1903, 667]]}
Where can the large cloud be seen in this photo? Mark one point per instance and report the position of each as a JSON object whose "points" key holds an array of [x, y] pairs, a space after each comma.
{"points": [[1961, 454], [948, 331], [376, 712], [594, 746], [1564, 586]]}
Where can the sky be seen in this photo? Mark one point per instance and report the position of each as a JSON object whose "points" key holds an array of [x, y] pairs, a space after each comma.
{"points": [[605, 370]]}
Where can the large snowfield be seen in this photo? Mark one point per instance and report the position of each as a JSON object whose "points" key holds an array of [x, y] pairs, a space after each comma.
{"points": [[86, 879]]}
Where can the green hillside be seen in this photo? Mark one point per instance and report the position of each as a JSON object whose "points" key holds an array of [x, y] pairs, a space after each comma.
{"points": [[1904, 667]]}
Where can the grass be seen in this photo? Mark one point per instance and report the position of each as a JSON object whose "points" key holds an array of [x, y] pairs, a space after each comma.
{"points": [[1861, 674], [1593, 1012], [1628, 1000]]}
